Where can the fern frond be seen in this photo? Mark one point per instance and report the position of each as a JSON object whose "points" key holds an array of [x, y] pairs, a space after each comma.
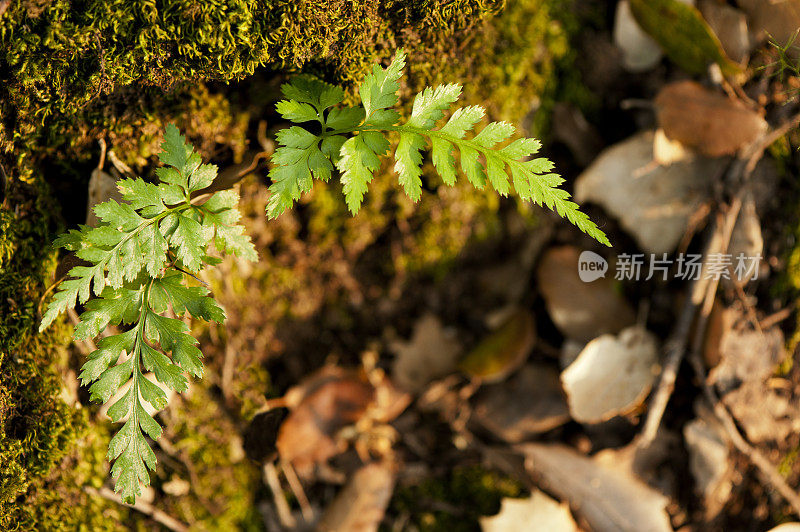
{"points": [[136, 255], [362, 134]]}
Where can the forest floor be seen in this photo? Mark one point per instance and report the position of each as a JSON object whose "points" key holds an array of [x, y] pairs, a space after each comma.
{"points": [[509, 388]]}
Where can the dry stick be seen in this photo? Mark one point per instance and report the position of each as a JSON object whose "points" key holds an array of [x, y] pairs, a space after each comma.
{"points": [[740, 170], [297, 488], [143, 507], [284, 512]]}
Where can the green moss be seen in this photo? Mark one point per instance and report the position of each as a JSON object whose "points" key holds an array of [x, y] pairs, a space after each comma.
{"points": [[39, 429], [219, 483], [472, 491]]}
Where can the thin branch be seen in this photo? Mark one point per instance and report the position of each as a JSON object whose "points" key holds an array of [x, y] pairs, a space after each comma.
{"points": [[140, 506]]}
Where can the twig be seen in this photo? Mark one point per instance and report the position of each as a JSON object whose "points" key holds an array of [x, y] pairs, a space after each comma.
{"points": [[297, 489], [140, 506], [284, 512], [676, 345], [774, 319]]}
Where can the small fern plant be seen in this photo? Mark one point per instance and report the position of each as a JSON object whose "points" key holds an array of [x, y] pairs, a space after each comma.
{"points": [[138, 260], [352, 139], [146, 249]]}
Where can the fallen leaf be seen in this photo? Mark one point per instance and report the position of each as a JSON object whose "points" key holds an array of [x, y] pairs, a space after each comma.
{"points": [[780, 19], [580, 310], [609, 500], [307, 437], [537, 512], [639, 51], [502, 351], [705, 120], [653, 203], [432, 352], [730, 26], [708, 462], [529, 403], [746, 355], [361, 504], [765, 413], [611, 376], [786, 527], [683, 34], [667, 151], [651, 463]]}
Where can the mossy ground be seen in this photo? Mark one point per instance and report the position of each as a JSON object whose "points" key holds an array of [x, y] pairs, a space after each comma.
{"points": [[120, 71]]}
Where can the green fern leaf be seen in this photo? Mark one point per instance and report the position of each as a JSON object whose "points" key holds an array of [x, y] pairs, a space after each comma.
{"points": [[362, 133], [135, 258]]}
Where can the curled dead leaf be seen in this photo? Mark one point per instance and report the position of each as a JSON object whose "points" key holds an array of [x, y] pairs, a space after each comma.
{"points": [[326, 403]]}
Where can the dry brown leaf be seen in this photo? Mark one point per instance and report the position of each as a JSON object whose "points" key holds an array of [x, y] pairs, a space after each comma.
{"points": [[653, 203], [746, 355], [361, 504], [537, 512], [432, 352], [307, 436], [730, 26], [609, 500], [528, 403], [581, 311], [778, 18], [611, 376], [706, 121], [765, 413], [503, 350]]}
